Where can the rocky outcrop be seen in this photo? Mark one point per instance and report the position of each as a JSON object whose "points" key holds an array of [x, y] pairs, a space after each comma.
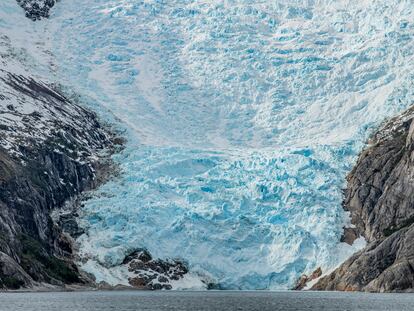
{"points": [[149, 273], [380, 198], [37, 9], [51, 150]]}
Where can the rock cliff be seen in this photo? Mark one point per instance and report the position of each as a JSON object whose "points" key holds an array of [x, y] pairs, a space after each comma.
{"points": [[50, 152], [380, 198]]}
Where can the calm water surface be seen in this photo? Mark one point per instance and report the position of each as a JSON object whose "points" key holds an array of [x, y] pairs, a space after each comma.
{"points": [[133, 300]]}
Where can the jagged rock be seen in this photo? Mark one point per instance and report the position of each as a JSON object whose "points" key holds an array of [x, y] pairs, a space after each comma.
{"points": [[383, 266], [49, 153], [37, 9], [69, 224], [12, 274], [152, 273], [380, 197]]}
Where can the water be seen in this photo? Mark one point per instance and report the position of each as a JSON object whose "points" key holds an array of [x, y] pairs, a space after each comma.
{"points": [[194, 301], [242, 118]]}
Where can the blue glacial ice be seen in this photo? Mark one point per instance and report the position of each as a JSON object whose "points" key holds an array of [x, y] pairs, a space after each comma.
{"points": [[242, 117]]}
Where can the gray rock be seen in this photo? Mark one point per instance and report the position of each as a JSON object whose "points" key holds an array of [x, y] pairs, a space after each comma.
{"points": [[380, 197], [49, 157], [12, 274], [383, 266], [37, 9], [52, 150], [153, 274]]}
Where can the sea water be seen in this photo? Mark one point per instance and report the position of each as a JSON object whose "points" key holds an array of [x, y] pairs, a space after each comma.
{"points": [[205, 301]]}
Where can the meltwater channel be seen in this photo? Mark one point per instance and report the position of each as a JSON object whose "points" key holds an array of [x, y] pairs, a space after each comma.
{"points": [[242, 118]]}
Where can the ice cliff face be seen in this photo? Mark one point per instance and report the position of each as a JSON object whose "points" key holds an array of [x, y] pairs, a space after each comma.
{"points": [[242, 119]]}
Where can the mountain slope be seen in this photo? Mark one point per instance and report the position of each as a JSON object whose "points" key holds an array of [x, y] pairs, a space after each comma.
{"points": [[380, 197], [51, 150], [49, 154]]}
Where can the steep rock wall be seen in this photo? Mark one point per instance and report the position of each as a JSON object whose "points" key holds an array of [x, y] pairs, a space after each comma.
{"points": [[380, 198], [50, 152]]}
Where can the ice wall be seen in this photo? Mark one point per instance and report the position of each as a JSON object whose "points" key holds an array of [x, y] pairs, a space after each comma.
{"points": [[243, 119]]}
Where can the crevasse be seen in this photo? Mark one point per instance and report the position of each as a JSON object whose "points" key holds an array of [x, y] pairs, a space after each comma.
{"points": [[242, 118]]}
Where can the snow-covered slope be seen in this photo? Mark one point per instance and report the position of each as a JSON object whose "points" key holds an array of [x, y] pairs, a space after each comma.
{"points": [[51, 149], [243, 119], [32, 109]]}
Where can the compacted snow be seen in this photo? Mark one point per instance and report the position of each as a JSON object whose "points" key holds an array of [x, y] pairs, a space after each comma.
{"points": [[242, 118]]}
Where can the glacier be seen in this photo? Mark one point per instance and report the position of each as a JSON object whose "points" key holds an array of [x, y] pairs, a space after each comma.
{"points": [[242, 118]]}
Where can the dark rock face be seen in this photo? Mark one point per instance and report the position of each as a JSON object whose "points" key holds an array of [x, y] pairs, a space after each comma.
{"points": [[152, 273], [37, 9], [380, 192], [383, 266], [50, 152], [380, 197]]}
